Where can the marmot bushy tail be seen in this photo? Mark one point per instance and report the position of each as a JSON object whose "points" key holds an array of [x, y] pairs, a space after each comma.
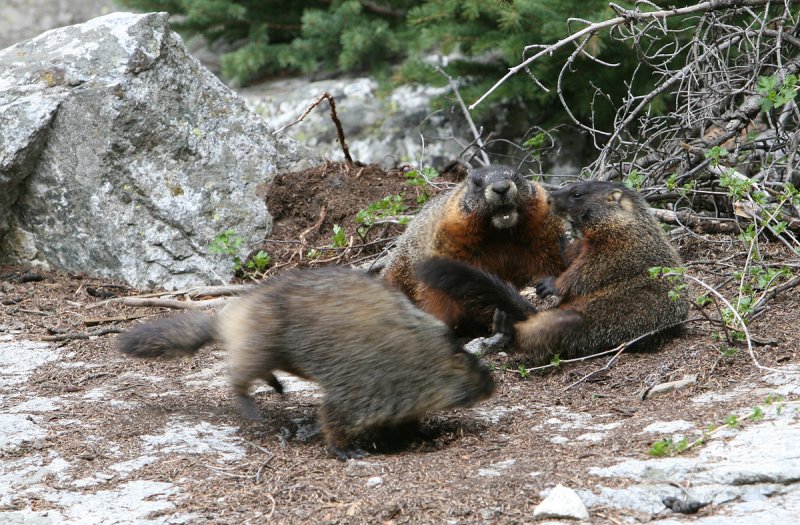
{"points": [[494, 219], [380, 360], [606, 293], [176, 336], [474, 288]]}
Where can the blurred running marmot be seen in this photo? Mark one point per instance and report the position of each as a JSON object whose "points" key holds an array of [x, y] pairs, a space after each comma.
{"points": [[380, 360]]}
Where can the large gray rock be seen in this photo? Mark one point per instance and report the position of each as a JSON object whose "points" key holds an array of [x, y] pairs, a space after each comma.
{"points": [[122, 156]]}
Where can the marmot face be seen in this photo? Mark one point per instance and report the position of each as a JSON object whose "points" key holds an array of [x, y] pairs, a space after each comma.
{"points": [[478, 384], [585, 204], [502, 188]]}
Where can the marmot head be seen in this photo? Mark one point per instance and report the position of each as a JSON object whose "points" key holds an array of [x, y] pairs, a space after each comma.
{"points": [[501, 189], [585, 204], [468, 381]]}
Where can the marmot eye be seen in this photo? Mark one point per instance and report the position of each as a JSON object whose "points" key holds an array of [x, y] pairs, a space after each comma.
{"points": [[576, 195]]}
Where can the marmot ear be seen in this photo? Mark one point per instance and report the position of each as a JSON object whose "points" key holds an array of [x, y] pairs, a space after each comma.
{"points": [[615, 196], [622, 200], [456, 169]]}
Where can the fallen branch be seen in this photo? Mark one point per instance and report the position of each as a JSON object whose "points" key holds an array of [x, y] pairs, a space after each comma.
{"points": [[617, 349], [697, 223], [191, 293], [788, 285], [82, 335], [173, 303], [94, 321]]}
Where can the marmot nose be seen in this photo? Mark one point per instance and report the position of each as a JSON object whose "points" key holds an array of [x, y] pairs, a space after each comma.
{"points": [[501, 187]]}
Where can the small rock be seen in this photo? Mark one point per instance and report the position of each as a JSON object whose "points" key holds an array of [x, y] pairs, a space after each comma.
{"points": [[561, 503], [683, 506], [485, 345], [374, 481]]}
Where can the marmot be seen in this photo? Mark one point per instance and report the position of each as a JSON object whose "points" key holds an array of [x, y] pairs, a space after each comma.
{"points": [[494, 219], [607, 295], [380, 360]]}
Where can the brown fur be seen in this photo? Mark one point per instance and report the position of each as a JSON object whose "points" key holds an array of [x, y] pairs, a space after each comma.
{"points": [[380, 360], [495, 220], [607, 295]]}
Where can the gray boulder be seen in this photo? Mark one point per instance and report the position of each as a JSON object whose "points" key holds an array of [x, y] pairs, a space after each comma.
{"points": [[122, 156]]}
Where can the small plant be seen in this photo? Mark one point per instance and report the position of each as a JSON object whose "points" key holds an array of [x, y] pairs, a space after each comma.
{"points": [[774, 398], [727, 351], [715, 154], [756, 415], [339, 240], [389, 206], [702, 300], [674, 276], [536, 144], [634, 180], [523, 372], [313, 253], [258, 262], [555, 361], [228, 243], [732, 421], [386, 208], [667, 447], [420, 179], [777, 96]]}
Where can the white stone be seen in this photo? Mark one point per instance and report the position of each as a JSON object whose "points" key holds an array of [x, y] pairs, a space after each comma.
{"points": [[561, 503]]}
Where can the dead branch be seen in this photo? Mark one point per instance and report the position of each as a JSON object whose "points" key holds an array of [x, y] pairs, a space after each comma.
{"points": [[141, 302], [788, 285], [69, 336], [339, 131], [94, 321], [697, 223], [191, 293], [475, 133]]}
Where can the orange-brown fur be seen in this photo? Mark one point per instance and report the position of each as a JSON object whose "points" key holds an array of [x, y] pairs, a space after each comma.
{"points": [[606, 293], [460, 225]]}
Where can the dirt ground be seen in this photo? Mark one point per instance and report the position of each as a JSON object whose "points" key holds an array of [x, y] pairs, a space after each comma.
{"points": [[487, 464]]}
